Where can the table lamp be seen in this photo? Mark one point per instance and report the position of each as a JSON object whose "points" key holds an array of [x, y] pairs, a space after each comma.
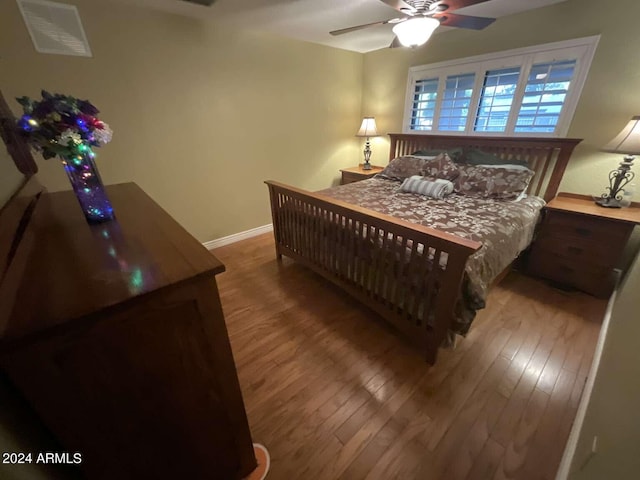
{"points": [[627, 142], [367, 129]]}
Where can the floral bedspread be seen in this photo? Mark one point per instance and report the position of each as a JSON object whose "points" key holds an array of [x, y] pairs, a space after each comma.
{"points": [[504, 228]]}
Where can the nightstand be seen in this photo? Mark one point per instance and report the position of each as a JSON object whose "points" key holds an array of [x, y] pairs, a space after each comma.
{"points": [[355, 174], [580, 243]]}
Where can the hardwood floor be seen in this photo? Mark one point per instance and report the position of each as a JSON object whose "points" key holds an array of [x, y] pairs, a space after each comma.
{"points": [[334, 393]]}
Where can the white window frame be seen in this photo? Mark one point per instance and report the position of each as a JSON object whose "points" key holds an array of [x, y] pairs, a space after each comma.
{"points": [[581, 49]]}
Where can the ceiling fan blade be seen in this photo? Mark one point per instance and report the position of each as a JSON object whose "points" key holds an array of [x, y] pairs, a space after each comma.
{"points": [[453, 4], [366, 25], [396, 43], [401, 6], [464, 21]]}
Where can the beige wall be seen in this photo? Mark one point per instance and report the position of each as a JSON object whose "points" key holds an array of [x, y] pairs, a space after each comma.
{"points": [[612, 414], [609, 98], [202, 115]]}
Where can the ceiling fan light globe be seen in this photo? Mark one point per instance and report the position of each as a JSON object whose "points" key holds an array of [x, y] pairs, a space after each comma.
{"points": [[415, 31]]}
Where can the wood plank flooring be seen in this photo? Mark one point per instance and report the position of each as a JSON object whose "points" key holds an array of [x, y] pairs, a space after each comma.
{"points": [[334, 393]]}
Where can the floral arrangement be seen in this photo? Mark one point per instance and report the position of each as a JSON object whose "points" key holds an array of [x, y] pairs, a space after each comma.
{"points": [[60, 125]]}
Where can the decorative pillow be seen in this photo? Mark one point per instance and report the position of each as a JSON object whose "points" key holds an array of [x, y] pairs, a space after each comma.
{"points": [[440, 167], [493, 181], [473, 156], [438, 188], [404, 167]]}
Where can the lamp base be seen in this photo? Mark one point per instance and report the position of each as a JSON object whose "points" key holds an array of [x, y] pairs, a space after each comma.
{"points": [[609, 202], [618, 179], [367, 155]]}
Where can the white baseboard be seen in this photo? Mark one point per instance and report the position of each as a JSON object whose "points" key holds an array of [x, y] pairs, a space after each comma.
{"points": [[236, 237]]}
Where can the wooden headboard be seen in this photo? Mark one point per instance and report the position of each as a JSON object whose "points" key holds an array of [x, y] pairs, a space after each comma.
{"points": [[548, 157]]}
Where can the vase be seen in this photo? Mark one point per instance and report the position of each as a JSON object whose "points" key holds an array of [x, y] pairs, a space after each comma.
{"points": [[87, 185]]}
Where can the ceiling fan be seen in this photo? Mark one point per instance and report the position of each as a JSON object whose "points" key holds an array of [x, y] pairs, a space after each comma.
{"points": [[422, 17]]}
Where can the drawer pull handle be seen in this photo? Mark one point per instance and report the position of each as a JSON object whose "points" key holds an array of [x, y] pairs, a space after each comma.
{"points": [[576, 250], [585, 232]]}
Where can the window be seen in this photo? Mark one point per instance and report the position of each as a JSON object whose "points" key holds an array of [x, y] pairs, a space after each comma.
{"points": [[424, 104], [496, 99], [525, 91], [455, 102], [544, 96]]}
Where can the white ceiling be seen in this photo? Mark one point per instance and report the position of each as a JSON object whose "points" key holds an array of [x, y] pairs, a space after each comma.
{"points": [[311, 20]]}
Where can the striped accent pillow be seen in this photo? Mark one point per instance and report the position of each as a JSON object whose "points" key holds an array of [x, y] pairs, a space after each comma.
{"points": [[437, 188]]}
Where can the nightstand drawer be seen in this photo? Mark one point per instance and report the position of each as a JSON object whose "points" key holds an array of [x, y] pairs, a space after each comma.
{"points": [[348, 177], [571, 226], [580, 250], [355, 174], [590, 278]]}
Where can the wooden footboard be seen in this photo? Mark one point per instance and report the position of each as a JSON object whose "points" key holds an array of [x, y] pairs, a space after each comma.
{"points": [[409, 274]]}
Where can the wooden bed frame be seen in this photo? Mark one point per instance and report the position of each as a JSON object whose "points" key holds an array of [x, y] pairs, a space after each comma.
{"points": [[381, 260]]}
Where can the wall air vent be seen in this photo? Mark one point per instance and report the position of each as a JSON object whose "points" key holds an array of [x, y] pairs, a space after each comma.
{"points": [[54, 27]]}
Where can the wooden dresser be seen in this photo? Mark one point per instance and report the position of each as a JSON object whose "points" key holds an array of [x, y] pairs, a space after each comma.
{"points": [[115, 335], [580, 243]]}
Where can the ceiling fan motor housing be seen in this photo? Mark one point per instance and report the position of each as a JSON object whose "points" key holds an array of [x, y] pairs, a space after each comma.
{"points": [[424, 7]]}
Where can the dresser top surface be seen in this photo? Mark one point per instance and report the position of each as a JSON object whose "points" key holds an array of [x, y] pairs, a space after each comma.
{"points": [[75, 269], [585, 205]]}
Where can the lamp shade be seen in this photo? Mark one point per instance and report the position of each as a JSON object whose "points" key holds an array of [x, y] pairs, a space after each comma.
{"points": [[628, 140], [416, 31], [368, 128]]}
